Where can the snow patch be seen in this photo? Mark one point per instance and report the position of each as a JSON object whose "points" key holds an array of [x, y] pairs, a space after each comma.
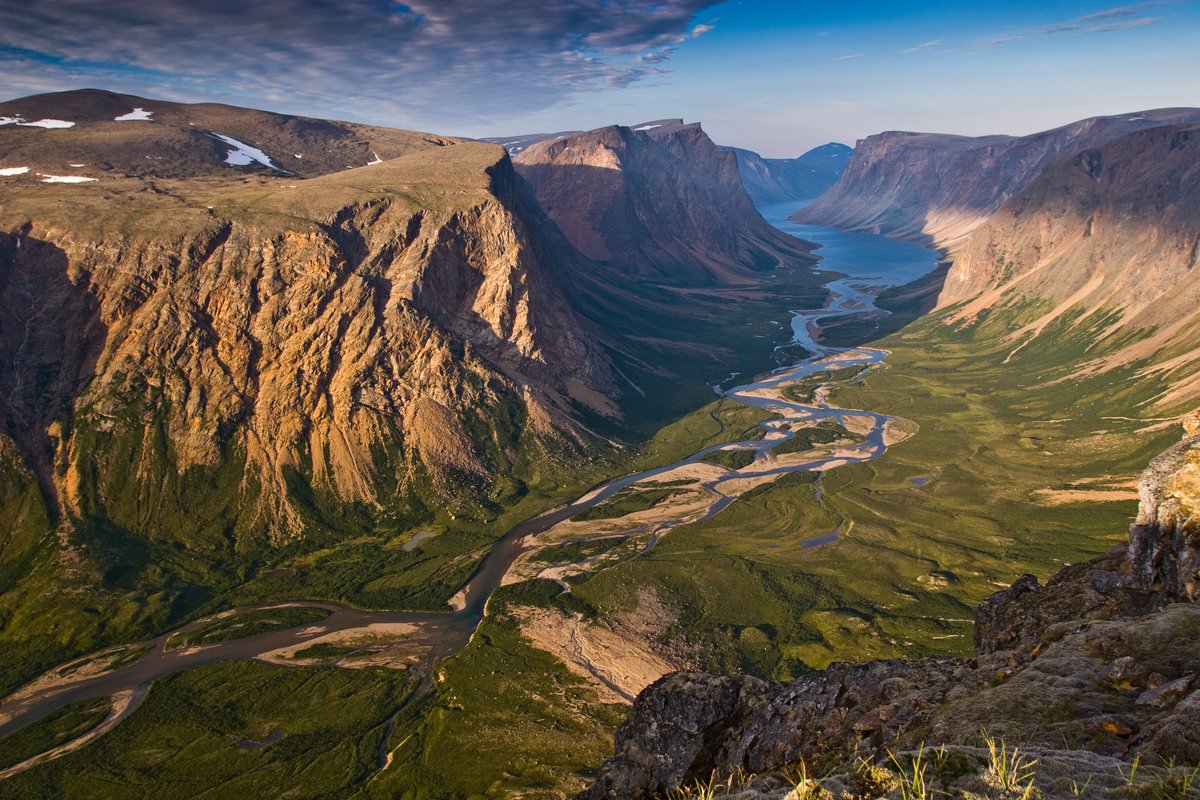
{"points": [[243, 154], [298, 155], [76, 165], [64, 178], [39, 123], [137, 114], [377, 159], [47, 123], [13, 170], [647, 127]]}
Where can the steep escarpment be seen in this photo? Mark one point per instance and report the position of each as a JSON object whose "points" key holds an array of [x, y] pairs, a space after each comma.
{"points": [[1101, 248], [937, 188], [778, 180], [1086, 676], [95, 133], [206, 362], [658, 201]]}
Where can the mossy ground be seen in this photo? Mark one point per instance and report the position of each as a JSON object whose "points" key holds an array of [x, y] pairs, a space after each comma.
{"points": [[49, 732], [200, 731]]}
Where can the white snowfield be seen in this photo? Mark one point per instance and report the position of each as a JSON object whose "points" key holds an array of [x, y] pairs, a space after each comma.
{"points": [[135, 115], [13, 170], [243, 154], [647, 127], [37, 123], [376, 160], [64, 178]]}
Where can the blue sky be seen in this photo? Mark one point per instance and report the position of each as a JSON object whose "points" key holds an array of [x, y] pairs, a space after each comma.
{"points": [[777, 77]]}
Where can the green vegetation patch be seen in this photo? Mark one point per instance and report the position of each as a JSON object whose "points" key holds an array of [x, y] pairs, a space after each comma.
{"points": [[824, 432], [324, 651], [69, 722], [730, 459], [574, 552], [247, 623], [804, 390], [628, 501], [188, 737], [508, 720]]}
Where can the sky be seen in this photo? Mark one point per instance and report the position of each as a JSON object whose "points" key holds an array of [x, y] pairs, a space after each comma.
{"points": [[773, 76]]}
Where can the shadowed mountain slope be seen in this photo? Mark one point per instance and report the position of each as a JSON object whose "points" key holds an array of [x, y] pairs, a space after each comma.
{"points": [[936, 188], [777, 180], [658, 201]]}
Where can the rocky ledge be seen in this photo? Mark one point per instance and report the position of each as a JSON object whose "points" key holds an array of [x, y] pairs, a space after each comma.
{"points": [[1088, 686]]}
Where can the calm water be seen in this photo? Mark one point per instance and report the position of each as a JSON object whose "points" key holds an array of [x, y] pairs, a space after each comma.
{"points": [[879, 260]]}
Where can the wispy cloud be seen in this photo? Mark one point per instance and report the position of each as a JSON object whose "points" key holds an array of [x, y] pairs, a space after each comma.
{"points": [[458, 61], [1117, 18], [932, 43], [849, 57]]}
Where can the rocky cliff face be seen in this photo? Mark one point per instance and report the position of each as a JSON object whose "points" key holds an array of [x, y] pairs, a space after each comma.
{"points": [[1094, 670], [195, 360], [778, 180], [1164, 542], [936, 189], [658, 201]]}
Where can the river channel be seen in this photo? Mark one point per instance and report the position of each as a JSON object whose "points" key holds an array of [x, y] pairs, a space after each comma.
{"points": [[866, 265]]}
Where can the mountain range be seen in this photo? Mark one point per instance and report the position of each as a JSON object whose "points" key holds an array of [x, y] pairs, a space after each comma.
{"points": [[204, 355], [249, 357]]}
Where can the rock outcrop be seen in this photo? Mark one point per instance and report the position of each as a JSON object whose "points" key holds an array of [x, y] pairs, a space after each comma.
{"points": [[1094, 670], [1164, 542], [659, 202], [936, 188]]}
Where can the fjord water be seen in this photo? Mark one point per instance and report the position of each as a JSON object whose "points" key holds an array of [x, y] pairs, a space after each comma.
{"points": [[869, 263], [877, 259]]}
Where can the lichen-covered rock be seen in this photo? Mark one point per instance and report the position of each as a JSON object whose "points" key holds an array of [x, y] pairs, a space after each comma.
{"points": [[676, 729], [1164, 542], [1022, 616], [1178, 736]]}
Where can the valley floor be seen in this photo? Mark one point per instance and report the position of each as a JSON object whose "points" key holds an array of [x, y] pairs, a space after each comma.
{"points": [[838, 547]]}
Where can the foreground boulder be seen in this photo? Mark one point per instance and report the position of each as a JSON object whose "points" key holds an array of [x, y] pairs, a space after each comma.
{"points": [[1089, 674]]}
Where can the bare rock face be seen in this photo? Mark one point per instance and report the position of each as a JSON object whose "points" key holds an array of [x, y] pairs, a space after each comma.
{"points": [[1095, 669], [1164, 542], [337, 346], [660, 201], [937, 188]]}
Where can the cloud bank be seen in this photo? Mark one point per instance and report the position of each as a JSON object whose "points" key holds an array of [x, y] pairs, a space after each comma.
{"points": [[456, 61]]}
